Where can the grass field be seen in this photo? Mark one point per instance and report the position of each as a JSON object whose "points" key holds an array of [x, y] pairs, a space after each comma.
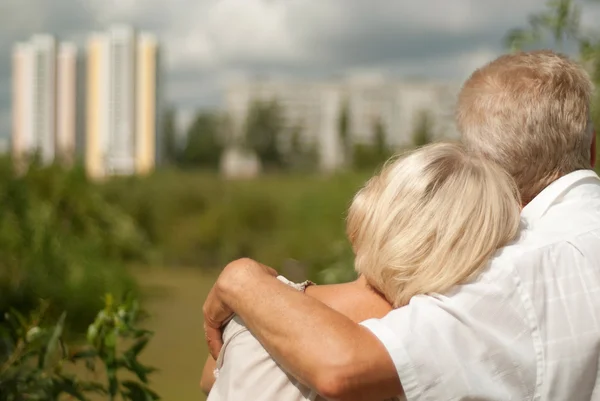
{"points": [[174, 299]]}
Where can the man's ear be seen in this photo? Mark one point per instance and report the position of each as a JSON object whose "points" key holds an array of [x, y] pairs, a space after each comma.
{"points": [[593, 150]]}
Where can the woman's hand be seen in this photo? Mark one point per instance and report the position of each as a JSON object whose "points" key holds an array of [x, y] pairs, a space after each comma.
{"points": [[216, 310]]}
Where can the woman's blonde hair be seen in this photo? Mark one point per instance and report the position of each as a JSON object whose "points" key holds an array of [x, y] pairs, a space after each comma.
{"points": [[431, 220]]}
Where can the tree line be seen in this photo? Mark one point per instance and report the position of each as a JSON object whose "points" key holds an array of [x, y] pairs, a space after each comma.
{"points": [[277, 145], [558, 26]]}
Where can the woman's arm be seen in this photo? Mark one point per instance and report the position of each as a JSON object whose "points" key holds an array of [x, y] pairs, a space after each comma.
{"points": [[321, 347], [208, 376], [247, 372]]}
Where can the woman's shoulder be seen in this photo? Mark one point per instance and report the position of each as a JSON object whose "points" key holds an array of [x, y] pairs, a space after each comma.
{"points": [[355, 300]]}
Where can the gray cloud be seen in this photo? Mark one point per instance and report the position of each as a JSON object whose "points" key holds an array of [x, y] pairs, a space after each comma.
{"points": [[206, 41]]}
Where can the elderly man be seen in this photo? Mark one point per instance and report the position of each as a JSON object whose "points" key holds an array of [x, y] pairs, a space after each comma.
{"points": [[527, 328]]}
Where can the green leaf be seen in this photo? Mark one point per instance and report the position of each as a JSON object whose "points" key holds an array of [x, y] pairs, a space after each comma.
{"points": [[141, 371], [138, 346], [142, 332], [20, 319], [83, 354], [113, 383], [53, 343], [93, 387], [110, 341], [109, 302], [69, 386], [139, 392], [92, 333]]}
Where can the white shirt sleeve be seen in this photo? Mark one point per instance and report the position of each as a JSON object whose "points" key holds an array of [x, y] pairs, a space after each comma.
{"points": [[245, 371], [477, 343]]}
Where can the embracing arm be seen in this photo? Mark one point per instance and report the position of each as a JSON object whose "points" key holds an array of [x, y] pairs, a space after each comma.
{"points": [[208, 376], [322, 348]]}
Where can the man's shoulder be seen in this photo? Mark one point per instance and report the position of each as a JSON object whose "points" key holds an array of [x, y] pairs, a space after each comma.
{"points": [[534, 258], [545, 244]]}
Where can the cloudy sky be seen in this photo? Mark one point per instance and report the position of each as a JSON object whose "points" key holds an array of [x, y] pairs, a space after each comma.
{"points": [[207, 42]]}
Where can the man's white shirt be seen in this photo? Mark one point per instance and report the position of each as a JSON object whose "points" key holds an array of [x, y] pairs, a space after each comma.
{"points": [[528, 328]]}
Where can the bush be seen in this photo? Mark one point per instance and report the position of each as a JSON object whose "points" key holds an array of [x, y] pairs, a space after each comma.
{"points": [[35, 361], [198, 219], [61, 240]]}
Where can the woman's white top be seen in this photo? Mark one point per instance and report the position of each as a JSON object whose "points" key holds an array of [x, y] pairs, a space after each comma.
{"points": [[245, 371]]}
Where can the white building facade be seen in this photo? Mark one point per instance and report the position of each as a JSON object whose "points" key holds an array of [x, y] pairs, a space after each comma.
{"points": [[317, 107], [121, 102], [44, 104]]}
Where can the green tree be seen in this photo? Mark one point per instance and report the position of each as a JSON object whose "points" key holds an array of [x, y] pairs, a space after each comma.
{"points": [[381, 146], [204, 142], [423, 133], [300, 155], [264, 127], [169, 137], [344, 132], [62, 239], [36, 363], [371, 156], [296, 144], [558, 23]]}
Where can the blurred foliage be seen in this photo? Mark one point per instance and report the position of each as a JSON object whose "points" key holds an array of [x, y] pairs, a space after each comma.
{"points": [[204, 142], [37, 364], [369, 157], [344, 132], [423, 134], [198, 219], [560, 24], [300, 155], [278, 146], [263, 132], [170, 153], [61, 240]]}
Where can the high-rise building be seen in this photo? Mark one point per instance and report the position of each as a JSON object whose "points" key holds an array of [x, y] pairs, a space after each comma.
{"points": [[66, 102], [316, 107], [146, 104], [121, 102], [44, 101]]}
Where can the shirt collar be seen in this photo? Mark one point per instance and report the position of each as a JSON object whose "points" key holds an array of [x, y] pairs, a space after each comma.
{"points": [[535, 209]]}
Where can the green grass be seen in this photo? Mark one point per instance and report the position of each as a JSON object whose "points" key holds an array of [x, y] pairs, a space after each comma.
{"points": [[174, 299]]}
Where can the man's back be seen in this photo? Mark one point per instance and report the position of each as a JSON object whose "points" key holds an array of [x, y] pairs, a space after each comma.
{"points": [[559, 273], [528, 327]]}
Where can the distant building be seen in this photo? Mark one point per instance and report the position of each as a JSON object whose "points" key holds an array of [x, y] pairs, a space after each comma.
{"points": [[121, 101], [317, 107], [66, 103], [237, 164], [314, 107], [44, 103]]}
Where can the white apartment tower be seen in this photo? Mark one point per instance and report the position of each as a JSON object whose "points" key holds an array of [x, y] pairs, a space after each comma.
{"points": [[121, 102], [44, 104]]}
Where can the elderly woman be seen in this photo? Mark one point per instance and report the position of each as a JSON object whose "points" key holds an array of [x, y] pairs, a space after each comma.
{"points": [[428, 222]]}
